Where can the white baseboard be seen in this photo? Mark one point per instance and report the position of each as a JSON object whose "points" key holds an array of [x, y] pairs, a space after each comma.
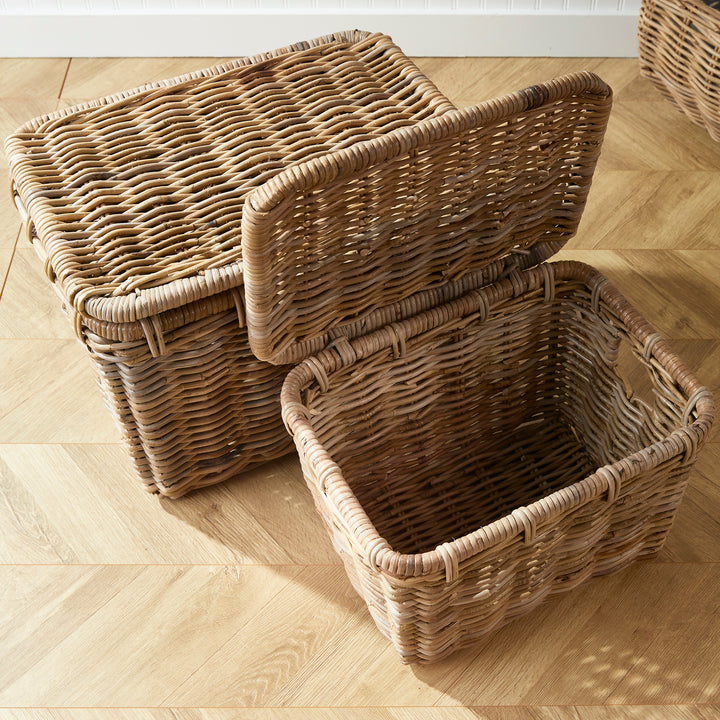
{"points": [[454, 34]]}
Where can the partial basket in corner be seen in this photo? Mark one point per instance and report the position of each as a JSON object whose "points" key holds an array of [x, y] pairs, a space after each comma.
{"points": [[475, 459], [679, 50]]}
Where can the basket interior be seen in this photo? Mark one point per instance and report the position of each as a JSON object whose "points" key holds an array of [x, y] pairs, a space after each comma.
{"points": [[478, 417]]}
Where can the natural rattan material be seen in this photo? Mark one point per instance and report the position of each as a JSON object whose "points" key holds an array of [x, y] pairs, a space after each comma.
{"points": [[679, 49], [135, 204], [351, 231], [137, 199], [205, 408], [477, 458], [137, 249]]}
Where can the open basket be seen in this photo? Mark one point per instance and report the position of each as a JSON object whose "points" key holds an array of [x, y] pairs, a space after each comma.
{"points": [[477, 457], [473, 460], [679, 50]]}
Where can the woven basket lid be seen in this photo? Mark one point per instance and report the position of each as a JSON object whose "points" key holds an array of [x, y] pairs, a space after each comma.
{"points": [[328, 241], [135, 200]]}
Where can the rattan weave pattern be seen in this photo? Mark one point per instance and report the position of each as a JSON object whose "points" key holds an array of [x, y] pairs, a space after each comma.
{"points": [[134, 202], [193, 403], [354, 230], [679, 50], [201, 408], [474, 459], [137, 199]]}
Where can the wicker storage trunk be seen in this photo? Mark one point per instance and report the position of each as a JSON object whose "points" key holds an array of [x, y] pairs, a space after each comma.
{"points": [[482, 455], [679, 49], [206, 231], [135, 203]]}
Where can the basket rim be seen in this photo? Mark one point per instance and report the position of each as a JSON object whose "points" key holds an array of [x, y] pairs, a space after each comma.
{"points": [[606, 480]]}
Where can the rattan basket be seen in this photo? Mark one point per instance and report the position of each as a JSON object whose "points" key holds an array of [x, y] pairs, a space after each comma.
{"points": [[262, 208], [480, 456], [474, 460], [135, 204], [679, 49]]}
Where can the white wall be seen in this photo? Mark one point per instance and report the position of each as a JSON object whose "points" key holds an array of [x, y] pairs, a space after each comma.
{"points": [[53, 28], [141, 6]]}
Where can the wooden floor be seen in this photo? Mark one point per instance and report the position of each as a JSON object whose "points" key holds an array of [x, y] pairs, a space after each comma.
{"points": [[112, 598]]}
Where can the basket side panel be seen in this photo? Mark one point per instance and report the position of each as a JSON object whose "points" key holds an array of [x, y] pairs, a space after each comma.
{"points": [[509, 581], [507, 405], [679, 50], [201, 412]]}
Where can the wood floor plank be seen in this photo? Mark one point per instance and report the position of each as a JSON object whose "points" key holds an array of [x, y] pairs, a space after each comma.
{"points": [[113, 520], [30, 308], [695, 535], [486, 713], [577, 648], [271, 502], [707, 266], [97, 714], [623, 712], [253, 667], [90, 78], [617, 656], [28, 535], [651, 210], [378, 678], [49, 394], [653, 135], [470, 80], [627, 83], [31, 77], [584, 712], [44, 606], [155, 627], [10, 231], [5, 260], [645, 712], [682, 663], [215, 714]]}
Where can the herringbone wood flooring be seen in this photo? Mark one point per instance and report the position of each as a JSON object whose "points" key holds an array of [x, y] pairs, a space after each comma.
{"points": [[233, 597]]}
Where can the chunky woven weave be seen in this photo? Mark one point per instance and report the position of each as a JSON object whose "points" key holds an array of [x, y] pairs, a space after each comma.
{"points": [[135, 203], [141, 203], [479, 457], [351, 231], [137, 199], [679, 49]]}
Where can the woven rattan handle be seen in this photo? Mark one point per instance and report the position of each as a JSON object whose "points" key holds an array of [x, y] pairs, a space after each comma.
{"points": [[329, 240]]}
